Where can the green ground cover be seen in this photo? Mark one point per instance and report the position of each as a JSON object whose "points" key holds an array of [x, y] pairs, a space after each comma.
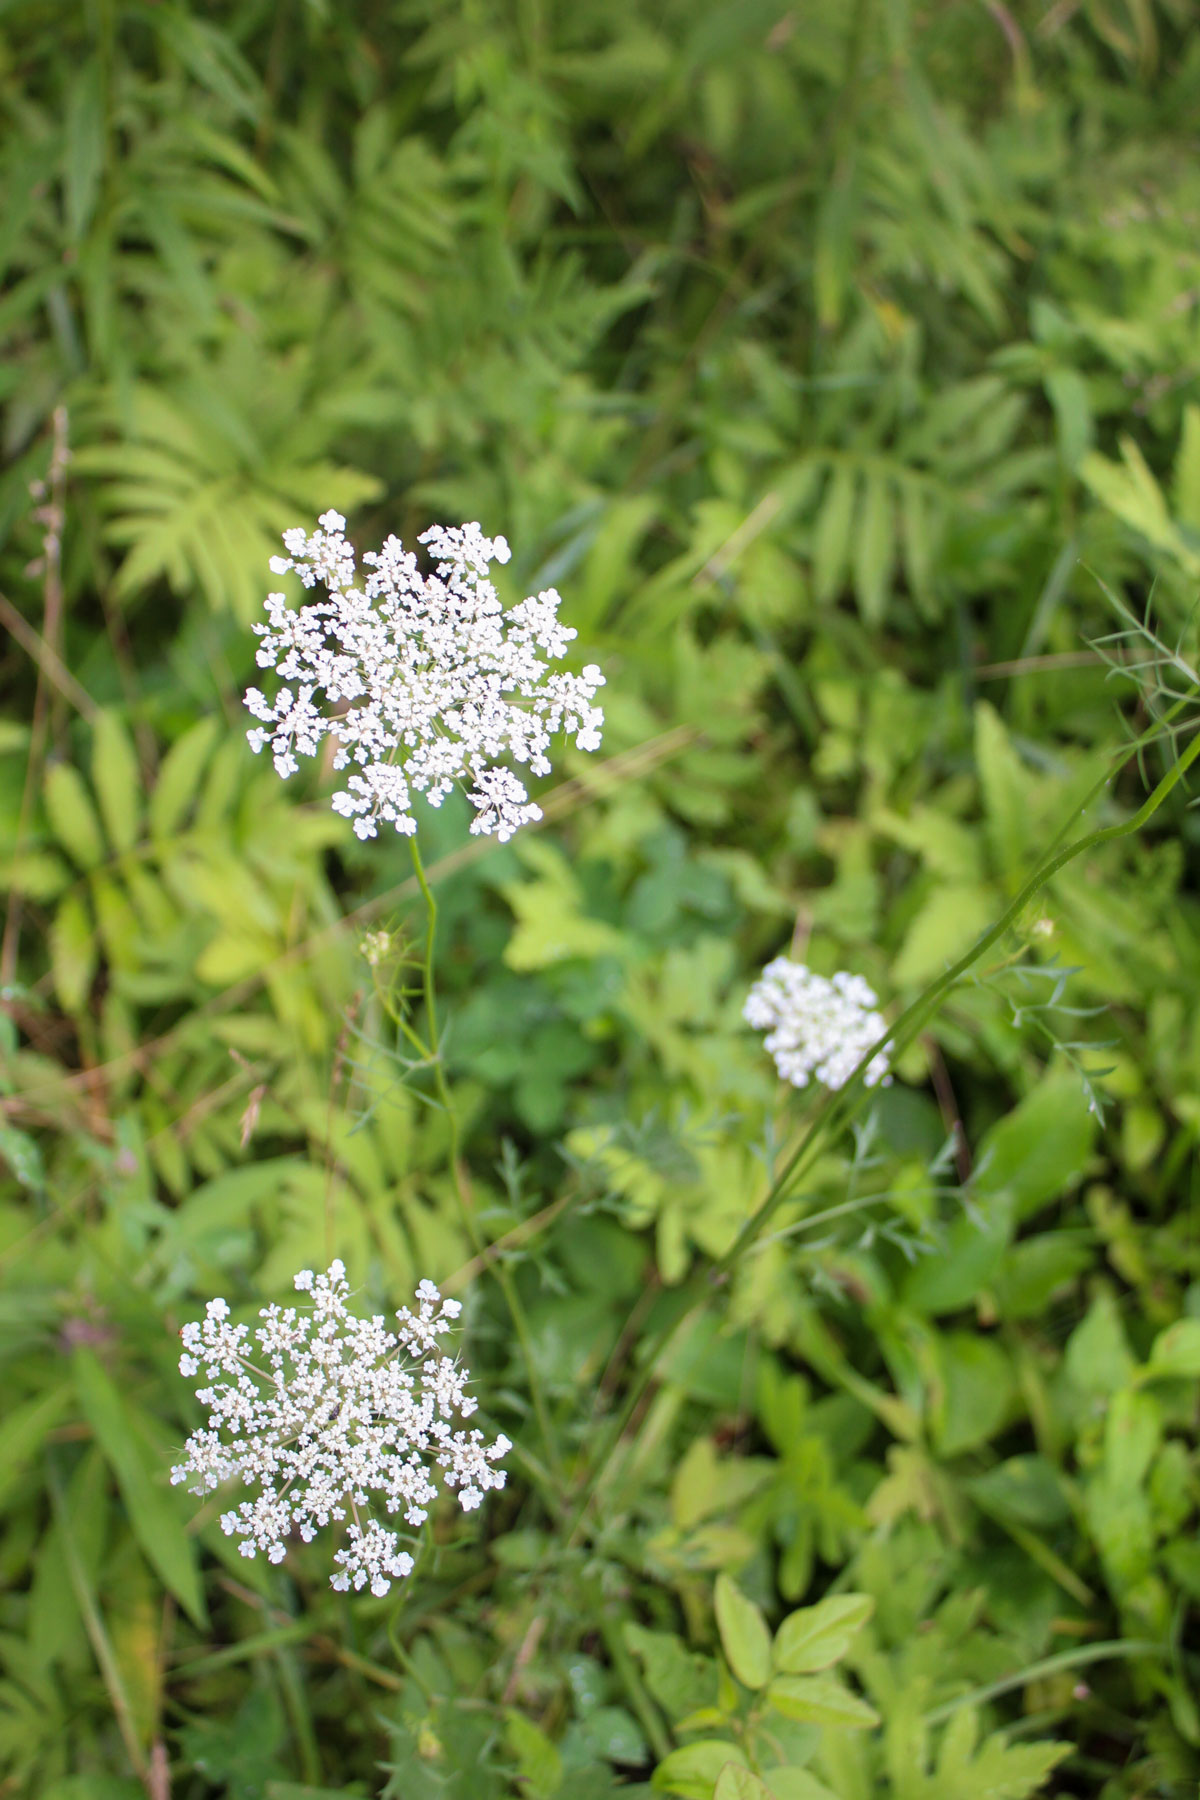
{"points": [[839, 364]]}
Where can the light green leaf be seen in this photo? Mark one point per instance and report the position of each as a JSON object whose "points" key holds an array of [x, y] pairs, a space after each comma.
{"points": [[794, 1783], [817, 1636], [694, 1770], [874, 550], [72, 815], [1006, 791], [819, 1700], [117, 780], [738, 1783], [1176, 1351], [745, 1638], [180, 775], [73, 952]]}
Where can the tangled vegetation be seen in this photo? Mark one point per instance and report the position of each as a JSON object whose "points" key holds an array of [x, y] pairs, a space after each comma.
{"points": [[838, 364]]}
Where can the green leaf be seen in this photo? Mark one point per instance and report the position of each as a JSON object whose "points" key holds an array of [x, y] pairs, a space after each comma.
{"points": [[819, 1700], [695, 1770], [952, 918], [1176, 1351], [72, 815], [817, 1636], [73, 953], [874, 550], [794, 1783], [1028, 1489], [24, 1158], [117, 780], [1006, 792], [977, 1391], [738, 1783], [538, 1758], [23, 1431], [745, 1638], [831, 539], [180, 775], [83, 163], [1038, 1150], [152, 1514]]}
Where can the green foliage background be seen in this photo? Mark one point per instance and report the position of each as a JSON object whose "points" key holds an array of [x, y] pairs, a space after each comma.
{"points": [[838, 362]]}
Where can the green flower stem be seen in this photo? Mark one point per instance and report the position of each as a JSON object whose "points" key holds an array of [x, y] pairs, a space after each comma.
{"points": [[507, 1285], [835, 1110], [1115, 1649]]}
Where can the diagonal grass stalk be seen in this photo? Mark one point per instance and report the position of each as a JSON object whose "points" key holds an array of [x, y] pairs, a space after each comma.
{"points": [[835, 1110]]}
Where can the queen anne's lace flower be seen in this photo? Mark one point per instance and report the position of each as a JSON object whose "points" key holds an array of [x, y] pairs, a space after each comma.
{"points": [[330, 1410], [816, 1026], [427, 680]]}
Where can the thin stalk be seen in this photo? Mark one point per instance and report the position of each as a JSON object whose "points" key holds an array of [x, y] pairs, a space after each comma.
{"points": [[503, 1277], [94, 1626], [1049, 1665], [835, 1110]]}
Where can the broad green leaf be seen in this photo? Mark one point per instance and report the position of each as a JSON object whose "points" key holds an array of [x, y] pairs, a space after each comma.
{"points": [[72, 815], [1098, 1358], [117, 780], [952, 918], [1026, 1488], [680, 1680], [694, 1770], [1176, 1351], [738, 1783], [180, 776], [819, 1700], [1038, 1150], [791, 1782], [819, 1635], [745, 1638], [152, 1513], [970, 1251], [977, 1391], [73, 952], [538, 1757], [23, 1431]]}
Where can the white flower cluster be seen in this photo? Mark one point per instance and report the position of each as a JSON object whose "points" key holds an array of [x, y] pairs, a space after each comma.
{"points": [[342, 1409], [816, 1026], [428, 681]]}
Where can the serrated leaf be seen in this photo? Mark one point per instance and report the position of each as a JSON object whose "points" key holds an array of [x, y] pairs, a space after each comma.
{"points": [[819, 1635], [117, 780], [72, 815], [745, 1638], [819, 1700]]}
